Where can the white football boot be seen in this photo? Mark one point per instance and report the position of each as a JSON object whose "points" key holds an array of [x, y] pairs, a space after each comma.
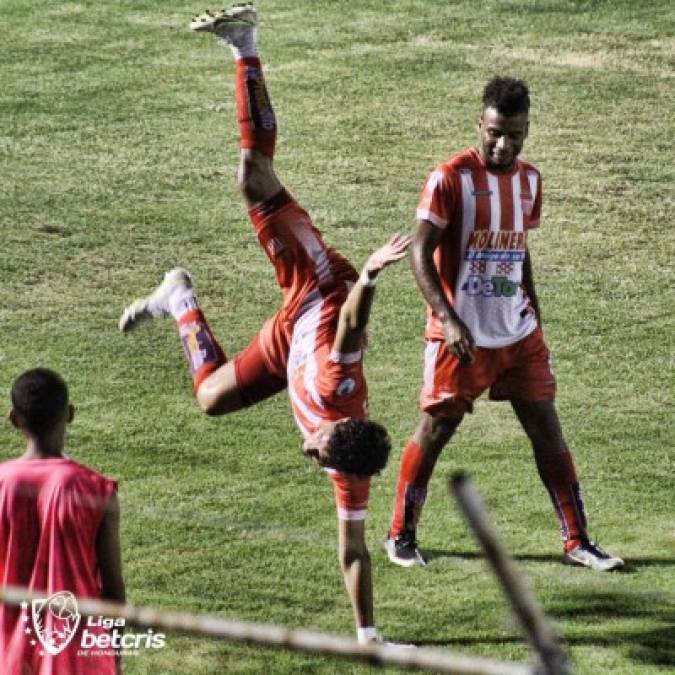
{"points": [[589, 554], [176, 285], [228, 25]]}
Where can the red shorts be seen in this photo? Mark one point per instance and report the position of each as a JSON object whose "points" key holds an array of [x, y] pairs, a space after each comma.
{"points": [[519, 371], [256, 381], [261, 367]]}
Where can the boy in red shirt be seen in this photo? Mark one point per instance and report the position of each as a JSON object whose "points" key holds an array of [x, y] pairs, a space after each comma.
{"points": [[59, 532]]}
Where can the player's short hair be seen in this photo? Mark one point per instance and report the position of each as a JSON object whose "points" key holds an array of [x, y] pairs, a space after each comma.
{"points": [[39, 399], [359, 447], [507, 95]]}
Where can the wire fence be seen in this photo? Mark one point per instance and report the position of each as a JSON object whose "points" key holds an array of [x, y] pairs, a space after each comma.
{"points": [[542, 638], [274, 636]]}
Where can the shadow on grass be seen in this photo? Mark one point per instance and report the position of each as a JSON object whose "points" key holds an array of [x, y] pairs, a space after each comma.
{"points": [[632, 565], [589, 619]]}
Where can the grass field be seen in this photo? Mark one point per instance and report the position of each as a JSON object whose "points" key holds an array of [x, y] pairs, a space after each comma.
{"points": [[118, 150]]}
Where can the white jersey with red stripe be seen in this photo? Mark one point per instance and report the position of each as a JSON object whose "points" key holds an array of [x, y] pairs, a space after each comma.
{"points": [[324, 385], [315, 280], [486, 217]]}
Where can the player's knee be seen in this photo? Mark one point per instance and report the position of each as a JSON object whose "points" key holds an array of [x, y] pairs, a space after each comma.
{"points": [[207, 403], [355, 552], [255, 177], [214, 403], [435, 431]]}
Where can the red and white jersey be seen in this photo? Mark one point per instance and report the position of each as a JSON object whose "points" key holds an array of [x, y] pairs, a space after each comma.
{"points": [[301, 259], [486, 217], [50, 513], [324, 385]]}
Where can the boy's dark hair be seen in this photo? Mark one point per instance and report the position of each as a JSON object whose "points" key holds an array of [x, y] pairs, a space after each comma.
{"points": [[359, 447], [39, 398], [507, 95]]}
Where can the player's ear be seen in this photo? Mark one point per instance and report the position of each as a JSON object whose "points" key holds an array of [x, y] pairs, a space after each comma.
{"points": [[13, 419], [71, 413]]}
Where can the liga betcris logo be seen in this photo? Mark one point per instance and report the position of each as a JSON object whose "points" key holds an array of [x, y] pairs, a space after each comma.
{"points": [[55, 621]]}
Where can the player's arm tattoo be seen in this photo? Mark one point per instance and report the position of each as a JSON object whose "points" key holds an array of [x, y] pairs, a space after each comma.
{"points": [[425, 240], [457, 335]]}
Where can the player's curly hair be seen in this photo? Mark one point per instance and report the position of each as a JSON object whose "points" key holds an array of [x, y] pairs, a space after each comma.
{"points": [[507, 95], [359, 447], [39, 398]]}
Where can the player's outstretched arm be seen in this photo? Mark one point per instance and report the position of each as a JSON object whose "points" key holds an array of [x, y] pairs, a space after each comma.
{"points": [[356, 568], [356, 308], [457, 335]]}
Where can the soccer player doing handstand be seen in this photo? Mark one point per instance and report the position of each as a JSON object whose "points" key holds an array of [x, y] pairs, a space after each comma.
{"points": [[314, 344]]}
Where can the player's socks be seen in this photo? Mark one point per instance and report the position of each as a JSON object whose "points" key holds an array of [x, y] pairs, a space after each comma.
{"points": [[181, 300], [411, 490], [236, 27], [242, 41], [257, 121], [559, 476], [202, 351]]}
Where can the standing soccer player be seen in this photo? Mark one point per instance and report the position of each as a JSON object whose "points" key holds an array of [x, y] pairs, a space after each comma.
{"points": [[471, 261], [59, 531], [313, 344]]}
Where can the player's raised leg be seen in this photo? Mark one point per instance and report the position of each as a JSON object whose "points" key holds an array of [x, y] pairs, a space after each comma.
{"points": [[556, 470], [235, 29], [213, 376], [223, 386]]}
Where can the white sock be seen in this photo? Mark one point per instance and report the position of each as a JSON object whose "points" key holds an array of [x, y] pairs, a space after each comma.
{"points": [[181, 301], [241, 41], [366, 634]]}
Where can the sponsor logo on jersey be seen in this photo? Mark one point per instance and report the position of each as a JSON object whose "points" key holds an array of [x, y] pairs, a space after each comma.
{"points": [[503, 240], [492, 287], [499, 246], [504, 268]]}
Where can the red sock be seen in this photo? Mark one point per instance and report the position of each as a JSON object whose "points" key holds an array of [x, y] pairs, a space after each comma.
{"points": [[257, 123], [203, 353], [560, 478], [411, 490]]}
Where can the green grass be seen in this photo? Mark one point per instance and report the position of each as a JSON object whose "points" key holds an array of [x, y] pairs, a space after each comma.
{"points": [[118, 147]]}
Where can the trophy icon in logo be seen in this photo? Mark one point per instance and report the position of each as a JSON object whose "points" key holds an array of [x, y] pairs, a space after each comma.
{"points": [[55, 620]]}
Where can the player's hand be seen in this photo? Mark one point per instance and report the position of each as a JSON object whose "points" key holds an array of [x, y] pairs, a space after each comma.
{"points": [[393, 250], [460, 340]]}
